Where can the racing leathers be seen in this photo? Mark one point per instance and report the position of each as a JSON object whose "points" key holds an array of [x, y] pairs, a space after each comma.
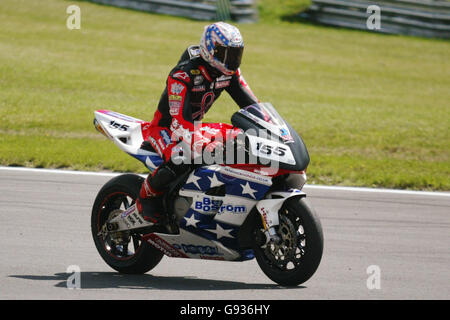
{"points": [[191, 89]]}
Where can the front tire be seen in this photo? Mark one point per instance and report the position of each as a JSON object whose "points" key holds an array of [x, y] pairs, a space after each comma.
{"points": [[297, 257], [124, 251]]}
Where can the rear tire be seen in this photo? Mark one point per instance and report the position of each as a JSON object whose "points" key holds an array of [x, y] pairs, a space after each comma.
{"points": [[118, 194], [298, 256]]}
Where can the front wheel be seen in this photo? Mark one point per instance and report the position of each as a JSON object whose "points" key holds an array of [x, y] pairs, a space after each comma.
{"points": [[295, 259], [123, 251]]}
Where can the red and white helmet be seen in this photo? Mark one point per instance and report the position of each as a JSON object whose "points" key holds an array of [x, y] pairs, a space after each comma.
{"points": [[222, 46]]}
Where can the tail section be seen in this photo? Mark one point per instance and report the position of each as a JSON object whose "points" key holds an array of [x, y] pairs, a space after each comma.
{"points": [[128, 134]]}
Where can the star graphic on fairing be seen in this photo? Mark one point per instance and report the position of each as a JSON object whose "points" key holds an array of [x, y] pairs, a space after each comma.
{"points": [[214, 181], [220, 232], [248, 190], [194, 179], [191, 221]]}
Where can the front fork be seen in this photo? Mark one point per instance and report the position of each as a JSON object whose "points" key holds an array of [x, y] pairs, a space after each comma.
{"points": [[269, 208]]}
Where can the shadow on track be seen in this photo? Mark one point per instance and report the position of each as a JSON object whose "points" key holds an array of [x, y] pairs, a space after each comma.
{"points": [[113, 280]]}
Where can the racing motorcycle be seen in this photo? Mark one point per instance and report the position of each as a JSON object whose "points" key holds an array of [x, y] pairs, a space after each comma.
{"points": [[219, 211]]}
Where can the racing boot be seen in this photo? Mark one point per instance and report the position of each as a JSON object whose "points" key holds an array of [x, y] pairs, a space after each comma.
{"points": [[149, 204]]}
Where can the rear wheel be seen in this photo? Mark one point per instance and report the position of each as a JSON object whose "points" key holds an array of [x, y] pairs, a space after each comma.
{"points": [[296, 258], [124, 251]]}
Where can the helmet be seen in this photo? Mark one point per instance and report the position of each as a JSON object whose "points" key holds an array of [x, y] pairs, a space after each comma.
{"points": [[222, 46]]}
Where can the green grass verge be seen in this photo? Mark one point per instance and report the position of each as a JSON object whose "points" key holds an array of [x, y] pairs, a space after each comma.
{"points": [[275, 11], [372, 109]]}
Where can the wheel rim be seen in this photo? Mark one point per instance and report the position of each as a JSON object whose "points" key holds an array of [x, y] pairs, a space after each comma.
{"points": [[119, 245], [288, 254]]}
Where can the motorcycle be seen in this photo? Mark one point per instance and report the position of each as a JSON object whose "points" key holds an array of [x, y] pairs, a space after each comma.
{"points": [[218, 211]]}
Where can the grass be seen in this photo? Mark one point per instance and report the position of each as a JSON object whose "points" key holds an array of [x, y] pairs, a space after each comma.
{"points": [[274, 11], [372, 109]]}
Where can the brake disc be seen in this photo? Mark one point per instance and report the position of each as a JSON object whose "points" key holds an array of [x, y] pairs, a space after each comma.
{"points": [[283, 252]]}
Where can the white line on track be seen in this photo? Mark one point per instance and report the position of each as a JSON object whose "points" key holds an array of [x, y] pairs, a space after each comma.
{"points": [[307, 186]]}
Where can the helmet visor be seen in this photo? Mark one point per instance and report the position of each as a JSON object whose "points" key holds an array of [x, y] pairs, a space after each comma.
{"points": [[230, 56]]}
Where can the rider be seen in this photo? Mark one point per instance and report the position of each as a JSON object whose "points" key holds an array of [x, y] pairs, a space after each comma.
{"points": [[198, 79]]}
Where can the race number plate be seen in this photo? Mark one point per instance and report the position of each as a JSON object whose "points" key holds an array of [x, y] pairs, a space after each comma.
{"points": [[270, 150]]}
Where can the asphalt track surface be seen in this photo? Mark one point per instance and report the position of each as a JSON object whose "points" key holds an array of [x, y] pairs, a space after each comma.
{"points": [[45, 228]]}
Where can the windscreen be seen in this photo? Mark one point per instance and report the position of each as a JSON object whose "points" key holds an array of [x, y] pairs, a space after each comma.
{"points": [[266, 115], [259, 118]]}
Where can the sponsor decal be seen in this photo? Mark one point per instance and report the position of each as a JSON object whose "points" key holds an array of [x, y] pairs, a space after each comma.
{"points": [[166, 136], [161, 144], [224, 77], [127, 212], [181, 75], [121, 116], [198, 80], [183, 133], [285, 134], [155, 145], [174, 111], [195, 72], [135, 218], [131, 217], [174, 125], [211, 258], [175, 104], [266, 221], [211, 131], [245, 175], [197, 249], [176, 88], [165, 247], [146, 127], [222, 84], [262, 172], [174, 108], [207, 101], [205, 73], [198, 88], [175, 97], [138, 217], [208, 205]]}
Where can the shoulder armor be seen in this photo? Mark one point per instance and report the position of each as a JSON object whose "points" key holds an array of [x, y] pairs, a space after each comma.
{"points": [[194, 51], [189, 54]]}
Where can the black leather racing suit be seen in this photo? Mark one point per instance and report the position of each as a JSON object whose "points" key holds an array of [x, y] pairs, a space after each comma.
{"points": [[191, 88]]}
